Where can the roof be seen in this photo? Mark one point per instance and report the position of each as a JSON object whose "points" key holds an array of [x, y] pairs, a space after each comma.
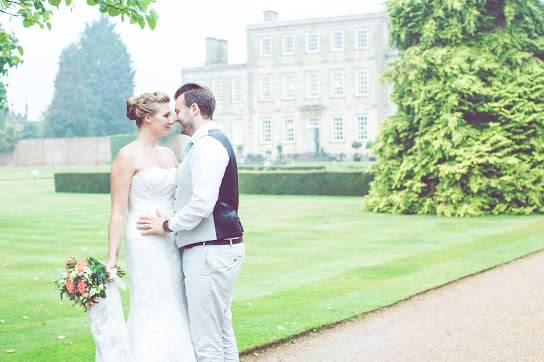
{"points": [[308, 21]]}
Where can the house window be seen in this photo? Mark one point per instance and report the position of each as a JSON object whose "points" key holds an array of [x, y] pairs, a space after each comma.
{"points": [[337, 129], [289, 130], [237, 90], [361, 83], [288, 44], [337, 84], [265, 49], [237, 133], [312, 85], [337, 40], [288, 86], [312, 122], [361, 38], [312, 43], [266, 88], [217, 90], [266, 131], [362, 129]]}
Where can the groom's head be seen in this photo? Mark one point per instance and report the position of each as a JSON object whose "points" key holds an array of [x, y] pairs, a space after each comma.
{"points": [[195, 105]]}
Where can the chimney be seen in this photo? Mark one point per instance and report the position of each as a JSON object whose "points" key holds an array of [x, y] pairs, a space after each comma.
{"points": [[270, 16], [216, 51]]}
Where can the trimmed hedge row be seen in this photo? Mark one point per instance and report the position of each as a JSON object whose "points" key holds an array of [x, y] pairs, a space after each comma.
{"points": [[280, 168], [305, 183], [96, 183], [266, 183]]}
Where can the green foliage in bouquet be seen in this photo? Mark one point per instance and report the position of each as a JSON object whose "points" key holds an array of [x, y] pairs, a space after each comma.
{"points": [[468, 135], [98, 274]]}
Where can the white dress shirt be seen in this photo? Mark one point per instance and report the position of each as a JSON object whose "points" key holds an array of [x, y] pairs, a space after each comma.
{"points": [[208, 159]]}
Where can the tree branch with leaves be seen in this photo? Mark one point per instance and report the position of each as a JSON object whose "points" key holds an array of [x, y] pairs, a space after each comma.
{"points": [[39, 12]]}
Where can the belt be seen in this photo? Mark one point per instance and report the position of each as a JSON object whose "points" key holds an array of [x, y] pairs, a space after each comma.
{"points": [[227, 241]]}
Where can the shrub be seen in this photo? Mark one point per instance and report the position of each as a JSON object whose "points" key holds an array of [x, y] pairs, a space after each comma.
{"points": [[468, 136], [354, 183], [305, 183], [98, 182]]}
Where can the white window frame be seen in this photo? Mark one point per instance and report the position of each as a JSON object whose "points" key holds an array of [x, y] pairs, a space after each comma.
{"points": [[335, 139], [337, 84], [312, 122], [333, 45], [284, 43], [310, 95], [361, 128], [364, 92], [289, 130], [288, 90], [307, 44], [237, 132], [236, 90], [268, 139], [263, 97], [263, 53], [358, 33], [217, 90]]}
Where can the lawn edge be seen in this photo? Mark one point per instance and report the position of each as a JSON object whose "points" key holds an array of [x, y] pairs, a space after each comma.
{"points": [[282, 341]]}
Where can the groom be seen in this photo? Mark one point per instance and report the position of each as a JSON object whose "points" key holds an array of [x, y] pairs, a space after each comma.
{"points": [[206, 225]]}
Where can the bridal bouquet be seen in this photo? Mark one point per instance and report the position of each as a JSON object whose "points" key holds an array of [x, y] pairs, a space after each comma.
{"points": [[83, 281]]}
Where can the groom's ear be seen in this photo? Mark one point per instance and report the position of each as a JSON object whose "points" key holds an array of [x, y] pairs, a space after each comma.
{"points": [[195, 109]]}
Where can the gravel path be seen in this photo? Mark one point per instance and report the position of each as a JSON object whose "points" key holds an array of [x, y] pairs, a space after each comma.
{"points": [[497, 315]]}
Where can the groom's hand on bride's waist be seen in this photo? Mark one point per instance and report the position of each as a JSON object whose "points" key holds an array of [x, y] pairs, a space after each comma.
{"points": [[152, 224]]}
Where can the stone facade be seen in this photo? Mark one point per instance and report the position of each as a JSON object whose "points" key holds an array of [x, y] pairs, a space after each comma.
{"points": [[308, 85]]}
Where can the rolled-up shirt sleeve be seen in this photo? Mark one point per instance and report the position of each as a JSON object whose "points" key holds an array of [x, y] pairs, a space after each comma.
{"points": [[208, 161]]}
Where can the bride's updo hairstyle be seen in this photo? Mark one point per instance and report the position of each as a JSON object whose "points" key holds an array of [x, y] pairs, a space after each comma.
{"points": [[144, 105]]}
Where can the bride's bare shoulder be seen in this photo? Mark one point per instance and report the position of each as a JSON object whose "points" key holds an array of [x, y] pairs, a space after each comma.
{"points": [[127, 156], [170, 154]]}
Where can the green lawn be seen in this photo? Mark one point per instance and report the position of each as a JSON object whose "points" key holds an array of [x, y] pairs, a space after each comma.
{"points": [[311, 261]]}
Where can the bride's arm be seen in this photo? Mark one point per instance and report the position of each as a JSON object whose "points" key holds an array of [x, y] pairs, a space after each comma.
{"points": [[120, 179]]}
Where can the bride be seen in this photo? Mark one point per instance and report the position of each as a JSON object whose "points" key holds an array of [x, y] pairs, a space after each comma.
{"points": [[142, 180]]}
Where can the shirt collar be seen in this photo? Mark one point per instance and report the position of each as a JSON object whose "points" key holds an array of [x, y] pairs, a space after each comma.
{"points": [[203, 130]]}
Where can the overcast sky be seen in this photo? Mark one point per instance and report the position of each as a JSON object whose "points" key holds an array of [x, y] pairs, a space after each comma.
{"points": [[178, 41]]}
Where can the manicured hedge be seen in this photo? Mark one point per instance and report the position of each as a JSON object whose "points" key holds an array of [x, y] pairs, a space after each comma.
{"points": [[269, 183], [281, 168], [98, 182], [305, 183]]}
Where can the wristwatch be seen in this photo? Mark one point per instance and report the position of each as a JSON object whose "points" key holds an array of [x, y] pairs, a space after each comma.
{"points": [[166, 227]]}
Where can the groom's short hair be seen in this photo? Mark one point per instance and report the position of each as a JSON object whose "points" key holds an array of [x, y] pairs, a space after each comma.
{"points": [[202, 96]]}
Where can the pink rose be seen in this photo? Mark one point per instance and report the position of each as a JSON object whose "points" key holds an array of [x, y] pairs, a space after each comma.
{"points": [[70, 286], [81, 265], [82, 287]]}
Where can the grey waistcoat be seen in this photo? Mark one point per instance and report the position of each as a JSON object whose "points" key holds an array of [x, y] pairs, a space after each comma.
{"points": [[223, 222]]}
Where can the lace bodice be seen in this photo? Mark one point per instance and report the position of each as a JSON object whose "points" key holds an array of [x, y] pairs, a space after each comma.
{"points": [[152, 187]]}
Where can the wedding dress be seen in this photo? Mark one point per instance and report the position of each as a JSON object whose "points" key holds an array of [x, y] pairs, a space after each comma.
{"points": [[157, 328]]}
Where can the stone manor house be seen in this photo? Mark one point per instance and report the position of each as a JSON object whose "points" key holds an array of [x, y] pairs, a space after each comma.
{"points": [[309, 85]]}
